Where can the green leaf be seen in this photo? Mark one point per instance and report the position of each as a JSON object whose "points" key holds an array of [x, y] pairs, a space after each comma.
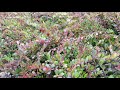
{"points": [[61, 74], [48, 56], [18, 70], [110, 31], [65, 65], [88, 58], [101, 61], [76, 74], [57, 72], [111, 76], [56, 62]]}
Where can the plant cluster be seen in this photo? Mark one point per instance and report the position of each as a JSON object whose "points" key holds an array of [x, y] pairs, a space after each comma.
{"points": [[63, 45]]}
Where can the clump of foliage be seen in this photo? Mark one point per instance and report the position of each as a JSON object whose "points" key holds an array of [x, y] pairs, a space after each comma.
{"points": [[63, 45]]}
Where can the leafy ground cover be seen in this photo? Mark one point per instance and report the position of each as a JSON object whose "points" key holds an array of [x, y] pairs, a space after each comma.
{"points": [[60, 45]]}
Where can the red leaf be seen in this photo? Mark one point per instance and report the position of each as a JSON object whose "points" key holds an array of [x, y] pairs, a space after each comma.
{"points": [[32, 67], [118, 67], [65, 32], [25, 76], [46, 69], [48, 34], [42, 30], [40, 41]]}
